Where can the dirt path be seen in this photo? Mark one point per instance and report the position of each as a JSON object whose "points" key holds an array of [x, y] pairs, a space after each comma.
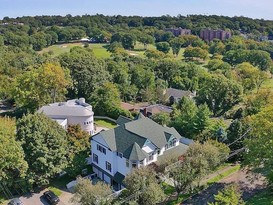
{"points": [[248, 183]]}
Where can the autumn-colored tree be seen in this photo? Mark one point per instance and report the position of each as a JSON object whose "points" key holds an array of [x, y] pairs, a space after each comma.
{"points": [[250, 76], [40, 86], [79, 149]]}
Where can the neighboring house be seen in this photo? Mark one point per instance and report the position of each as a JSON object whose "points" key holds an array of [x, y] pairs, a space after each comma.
{"points": [[146, 109], [174, 95], [133, 144], [155, 109], [71, 112], [133, 107]]}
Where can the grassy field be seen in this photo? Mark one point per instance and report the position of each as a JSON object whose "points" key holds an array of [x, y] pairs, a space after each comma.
{"points": [[263, 198], [100, 50], [105, 123]]}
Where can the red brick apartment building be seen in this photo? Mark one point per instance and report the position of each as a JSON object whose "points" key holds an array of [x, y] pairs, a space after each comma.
{"points": [[179, 31], [209, 35]]}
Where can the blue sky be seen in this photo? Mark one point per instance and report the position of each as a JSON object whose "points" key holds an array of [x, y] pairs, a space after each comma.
{"points": [[250, 8]]}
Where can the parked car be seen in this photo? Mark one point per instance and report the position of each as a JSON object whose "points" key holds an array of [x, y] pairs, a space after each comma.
{"points": [[51, 197], [15, 201]]}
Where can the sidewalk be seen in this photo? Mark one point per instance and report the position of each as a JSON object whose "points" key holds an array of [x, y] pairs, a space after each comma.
{"points": [[214, 174]]}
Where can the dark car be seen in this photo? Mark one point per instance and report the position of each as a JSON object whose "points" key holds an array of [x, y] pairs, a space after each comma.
{"points": [[15, 201], [51, 197]]}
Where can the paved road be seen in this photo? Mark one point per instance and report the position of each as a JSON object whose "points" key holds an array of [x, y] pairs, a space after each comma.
{"points": [[248, 183], [38, 199]]}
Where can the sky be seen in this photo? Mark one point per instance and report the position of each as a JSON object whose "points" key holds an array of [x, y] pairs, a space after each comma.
{"points": [[249, 8]]}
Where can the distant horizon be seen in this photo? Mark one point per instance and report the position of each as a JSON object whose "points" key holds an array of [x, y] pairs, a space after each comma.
{"points": [[63, 15], [254, 9]]}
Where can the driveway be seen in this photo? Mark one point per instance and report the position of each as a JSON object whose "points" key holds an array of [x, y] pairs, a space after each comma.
{"points": [[38, 199]]}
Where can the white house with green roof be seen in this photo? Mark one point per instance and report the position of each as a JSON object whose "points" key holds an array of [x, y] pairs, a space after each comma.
{"points": [[132, 144]]}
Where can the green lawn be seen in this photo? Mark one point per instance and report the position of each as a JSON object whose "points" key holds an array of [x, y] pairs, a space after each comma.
{"points": [[98, 49], [105, 123], [60, 48], [168, 189], [223, 175], [55, 190], [263, 198]]}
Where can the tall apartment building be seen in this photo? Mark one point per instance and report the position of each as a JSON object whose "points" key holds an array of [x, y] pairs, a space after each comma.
{"points": [[209, 35], [179, 31]]}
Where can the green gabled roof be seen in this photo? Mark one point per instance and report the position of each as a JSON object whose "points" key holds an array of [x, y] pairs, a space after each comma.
{"points": [[119, 139], [129, 138], [149, 129], [122, 120], [135, 153]]}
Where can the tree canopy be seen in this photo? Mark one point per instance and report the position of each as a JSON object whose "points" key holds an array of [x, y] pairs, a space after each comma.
{"points": [[44, 143]]}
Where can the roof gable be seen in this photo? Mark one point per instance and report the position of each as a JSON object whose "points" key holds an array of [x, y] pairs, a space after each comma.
{"points": [[122, 120], [130, 137], [152, 131]]}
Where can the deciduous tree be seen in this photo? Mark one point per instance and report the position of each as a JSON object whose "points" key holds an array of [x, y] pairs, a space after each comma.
{"points": [[142, 183], [230, 195], [163, 47], [12, 163], [44, 143], [88, 194]]}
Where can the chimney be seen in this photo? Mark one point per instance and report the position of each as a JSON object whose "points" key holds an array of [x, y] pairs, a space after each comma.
{"points": [[81, 101]]}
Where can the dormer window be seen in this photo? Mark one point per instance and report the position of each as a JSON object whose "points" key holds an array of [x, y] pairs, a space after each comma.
{"points": [[119, 154], [134, 165]]}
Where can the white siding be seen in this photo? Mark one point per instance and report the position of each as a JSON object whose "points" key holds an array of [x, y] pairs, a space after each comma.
{"points": [[121, 166], [72, 120], [107, 179], [102, 158]]}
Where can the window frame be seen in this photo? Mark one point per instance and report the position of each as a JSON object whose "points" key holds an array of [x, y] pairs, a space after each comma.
{"points": [[108, 166], [95, 157]]}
